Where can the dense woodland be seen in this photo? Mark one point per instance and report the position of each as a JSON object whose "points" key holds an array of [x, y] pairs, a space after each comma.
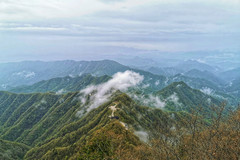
{"points": [[51, 119], [52, 130]]}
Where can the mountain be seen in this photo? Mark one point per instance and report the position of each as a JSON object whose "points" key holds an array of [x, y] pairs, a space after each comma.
{"points": [[119, 126], [12, 150], [62, 84], [230, 75], [58, 126], [73, 126], [233, 88], [196, 83], [13, 75], [180, 97], [29, 118], [136, 61], [30, 72], [166, 71], [204, 75], [146, 62], [193, 64], [213, 89], [150, 83]]}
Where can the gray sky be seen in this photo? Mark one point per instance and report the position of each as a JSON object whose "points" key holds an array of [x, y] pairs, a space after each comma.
{"points": [[98, 29]]}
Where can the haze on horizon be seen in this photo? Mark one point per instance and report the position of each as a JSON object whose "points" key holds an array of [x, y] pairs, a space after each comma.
{"points": [[108, 29]]}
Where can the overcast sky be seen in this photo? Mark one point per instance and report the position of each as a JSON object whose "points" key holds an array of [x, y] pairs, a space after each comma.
{"points": [[98, 29]]}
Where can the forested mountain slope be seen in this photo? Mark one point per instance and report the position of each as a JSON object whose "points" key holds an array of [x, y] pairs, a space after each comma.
{"points": [[181, 97], [117, 125], [12, 150], [205, 75], [64, 126], [62, 84], [59, 125]]}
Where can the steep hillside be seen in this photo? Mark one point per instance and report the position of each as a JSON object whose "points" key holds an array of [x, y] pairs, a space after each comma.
{"points": [[74, 126], [180, 97], [62, 84], [210, 88], [61, 126], [117, 124], [12, 150], [29, 118]]}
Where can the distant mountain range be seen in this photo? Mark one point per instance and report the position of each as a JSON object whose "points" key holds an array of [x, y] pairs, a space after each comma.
{"points": [[64, 76], [30, 72], [205, 75], [167, 71], [193, 64], [62, 84], [230, 75], [233, 88], [183, 67]]}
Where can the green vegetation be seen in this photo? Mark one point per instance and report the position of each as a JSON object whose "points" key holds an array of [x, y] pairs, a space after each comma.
{"points": [[12, 150], [49, 123], [207, 75], [58, 126], [184, 98], [62, 85]]}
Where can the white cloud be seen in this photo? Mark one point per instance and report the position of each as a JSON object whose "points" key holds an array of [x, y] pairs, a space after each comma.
{"points": [[149, 100], [174, 98], [99, 94], [142, 135], [25, 74], [61, 91], [43, 101], [207, 91]]}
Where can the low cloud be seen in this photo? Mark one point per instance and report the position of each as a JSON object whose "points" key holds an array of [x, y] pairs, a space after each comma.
{"points": [[61, 91], [174, 98], [99, 94], [25, 74], [157, 83], [41, 104], [149, 100], [207, 91], [142, 135]]}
